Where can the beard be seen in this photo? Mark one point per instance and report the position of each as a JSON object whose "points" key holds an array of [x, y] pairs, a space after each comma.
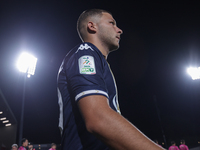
{"points": [[113, 47], [108, 39]]}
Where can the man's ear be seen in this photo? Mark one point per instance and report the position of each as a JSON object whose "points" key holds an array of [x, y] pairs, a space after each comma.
{"points": [[91, 27]]}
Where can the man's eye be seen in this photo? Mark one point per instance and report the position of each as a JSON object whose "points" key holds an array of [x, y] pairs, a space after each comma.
{"points": [[112, 23]]}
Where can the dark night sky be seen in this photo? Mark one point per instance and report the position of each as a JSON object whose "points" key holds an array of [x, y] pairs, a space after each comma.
{"points": [[160, 40]]}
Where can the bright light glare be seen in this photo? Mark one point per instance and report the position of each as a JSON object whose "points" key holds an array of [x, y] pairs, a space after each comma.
{"points": [[9, 124], [3, 118], [27, 63], [1, 112], [6, 121], [194, 72]]}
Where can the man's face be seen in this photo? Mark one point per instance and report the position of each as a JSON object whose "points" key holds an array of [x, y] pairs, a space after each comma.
{"points": [[14, 148], [54, 147], [26, 143], [108, 31]]}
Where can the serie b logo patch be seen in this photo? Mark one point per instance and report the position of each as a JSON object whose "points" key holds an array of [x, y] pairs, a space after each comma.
{"points": [[86, 65]]}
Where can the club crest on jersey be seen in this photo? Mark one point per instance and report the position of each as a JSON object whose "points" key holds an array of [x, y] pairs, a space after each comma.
{"points": [[86, 65], [82, 47]]}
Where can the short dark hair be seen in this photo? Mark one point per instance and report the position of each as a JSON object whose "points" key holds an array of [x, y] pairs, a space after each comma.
{"points": [[23, 140], [85, 15], [182, 141], [173, 142]]}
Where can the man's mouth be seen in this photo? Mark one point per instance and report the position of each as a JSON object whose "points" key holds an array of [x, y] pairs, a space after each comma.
{"points": [[118, 37]]}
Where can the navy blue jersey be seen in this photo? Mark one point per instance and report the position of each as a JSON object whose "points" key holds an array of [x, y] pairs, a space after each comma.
{"points": [[84, 71]]}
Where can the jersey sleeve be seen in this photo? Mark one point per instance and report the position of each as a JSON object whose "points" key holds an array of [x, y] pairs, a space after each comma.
{"points": [[84, 73]]}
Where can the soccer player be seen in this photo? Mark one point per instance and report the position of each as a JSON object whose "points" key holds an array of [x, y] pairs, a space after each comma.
{"points": [[53, 146], [24, 144], [90, 117], [183, 146], [173, 146]]}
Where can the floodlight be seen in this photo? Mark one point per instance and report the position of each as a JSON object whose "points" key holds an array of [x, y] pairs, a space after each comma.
{"points": [[27, 63], [3, 118], [5, 121], [194, 72], [9, 124]]}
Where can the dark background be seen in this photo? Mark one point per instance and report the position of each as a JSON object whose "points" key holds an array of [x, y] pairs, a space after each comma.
{"points": [[160, 40]]}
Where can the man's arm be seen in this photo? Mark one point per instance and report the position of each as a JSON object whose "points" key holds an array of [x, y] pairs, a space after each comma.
{"points": [[110, 127]]}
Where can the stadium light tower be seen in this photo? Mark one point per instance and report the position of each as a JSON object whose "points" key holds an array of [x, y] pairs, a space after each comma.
{"points": [[26, 63], [194, 72]]}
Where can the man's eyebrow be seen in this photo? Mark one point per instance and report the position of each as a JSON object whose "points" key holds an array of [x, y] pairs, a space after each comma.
{"points": [[113, 21]]}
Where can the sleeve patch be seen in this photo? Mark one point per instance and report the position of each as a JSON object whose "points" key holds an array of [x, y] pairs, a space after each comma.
{"points": [[86, 65]]}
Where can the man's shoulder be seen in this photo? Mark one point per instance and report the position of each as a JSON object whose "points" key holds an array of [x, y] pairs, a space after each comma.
{"points": [[183, 146], [173, 147], [21, 148], [85, 47]]}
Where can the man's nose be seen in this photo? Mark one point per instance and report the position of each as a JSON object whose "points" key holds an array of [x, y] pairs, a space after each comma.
{"points": [[119, 30]]}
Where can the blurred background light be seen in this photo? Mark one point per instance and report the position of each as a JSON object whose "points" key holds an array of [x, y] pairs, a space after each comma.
{"points": [[6, 121], [3, 118], [9, 124], [27, 63], [194, 72]]}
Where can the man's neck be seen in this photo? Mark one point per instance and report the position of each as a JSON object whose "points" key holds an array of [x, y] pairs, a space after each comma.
{"points": [[103, 49]]}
